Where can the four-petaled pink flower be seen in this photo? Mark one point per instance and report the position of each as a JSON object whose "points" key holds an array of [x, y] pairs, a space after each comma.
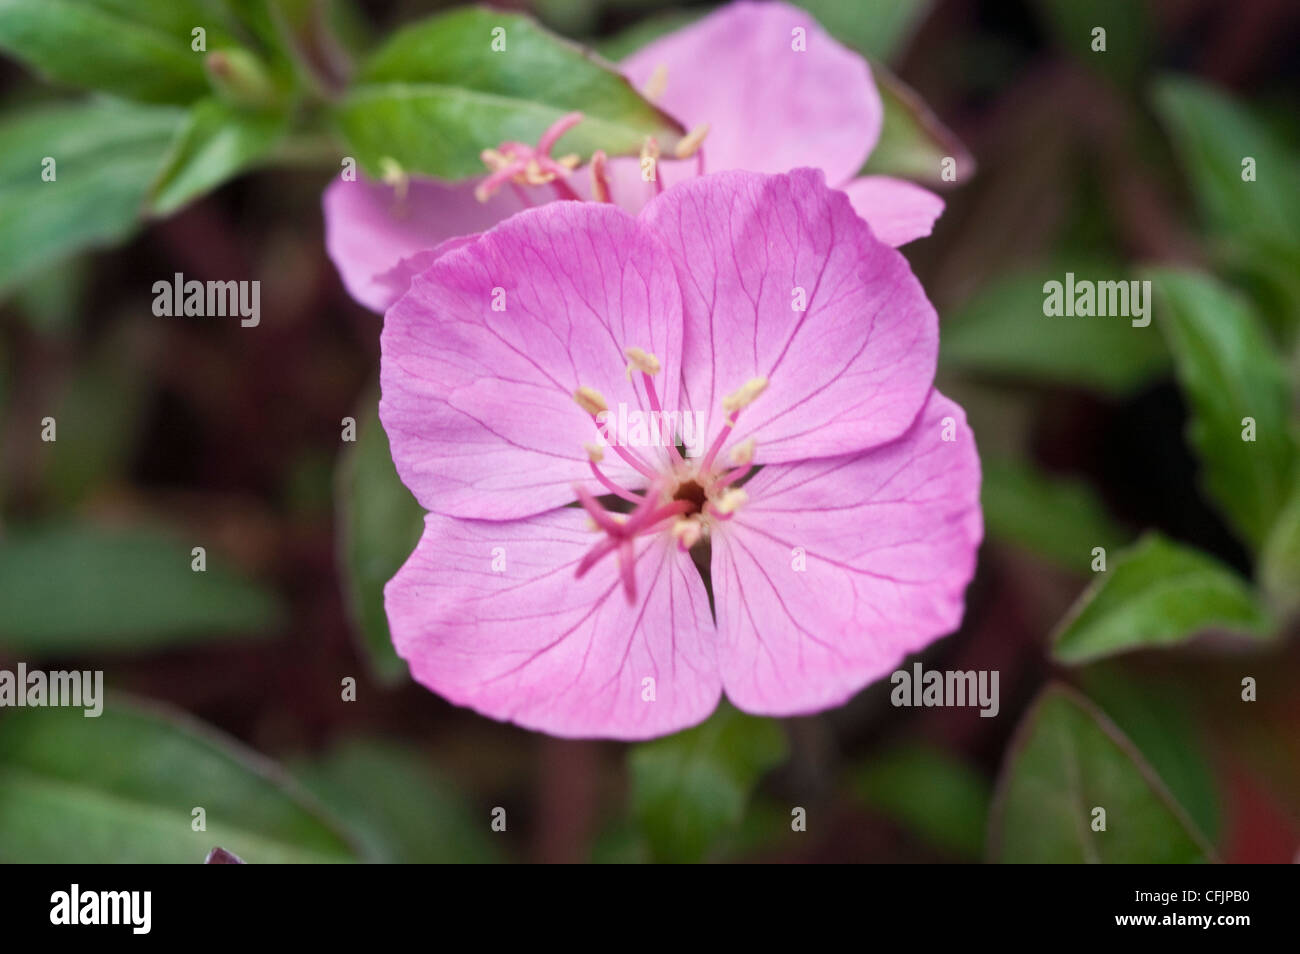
{"points": [[770, 102], [837, 492]]}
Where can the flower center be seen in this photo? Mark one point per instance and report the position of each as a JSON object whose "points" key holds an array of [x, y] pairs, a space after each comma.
{"points": [[685, 496]]}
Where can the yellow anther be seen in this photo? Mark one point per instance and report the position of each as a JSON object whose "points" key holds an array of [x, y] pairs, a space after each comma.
{"points": [[595, 453], [394, 175], [658, 82], [732, 499], [743, 453], [690, 144], [649, 159], [643, 360], [744, 395], [590, 400], [687, 532], [571, 161]]}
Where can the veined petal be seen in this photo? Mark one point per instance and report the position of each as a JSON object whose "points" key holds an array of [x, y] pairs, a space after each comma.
{"points": [[898, 211], [369, 230], [489, 615], [776, 90], [838, 568], [780, 279], [480, 360]]}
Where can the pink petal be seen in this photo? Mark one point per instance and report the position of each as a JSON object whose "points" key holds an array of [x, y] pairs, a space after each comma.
{"points": [[850, 371], [478, 404], [529, 644], [770, 108], [897, 211], [889, 538], [368, 232]]}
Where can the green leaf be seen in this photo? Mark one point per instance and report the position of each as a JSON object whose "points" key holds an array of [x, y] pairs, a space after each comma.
{"points": [[928, 792], [1155, 594], [105, 154], [122, 788], [1156, 716], [140, 49], [878, 28], [1279, 561], [1229, 371], [74, 588], [436, 94], [219, 141], [913, 142], [1068, 759], [1212, 135], [381, 524], [1002, 331], [1061, 519], [690, 790], [401, 811]]}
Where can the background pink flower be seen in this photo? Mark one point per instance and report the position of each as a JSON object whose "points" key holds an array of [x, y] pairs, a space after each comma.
{"points": [[768, 107]]}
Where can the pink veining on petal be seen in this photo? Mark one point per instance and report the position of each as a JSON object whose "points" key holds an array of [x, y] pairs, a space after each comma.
{"points": [[839, 567], [490, 616]]}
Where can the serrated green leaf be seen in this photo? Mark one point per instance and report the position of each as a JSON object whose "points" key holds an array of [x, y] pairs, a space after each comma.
{"points": [[218, 142], [106, 153], [381, 524], [1068, 760], [1058, 518], [1155, 594], [1002, 331], [75, 588], [690, 790], [140, 49], [122, 788], [436, 94], [1229, 371]]}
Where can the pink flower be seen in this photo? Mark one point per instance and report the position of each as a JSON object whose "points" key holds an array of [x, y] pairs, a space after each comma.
{"points": [[837, 491], [771, 101]]}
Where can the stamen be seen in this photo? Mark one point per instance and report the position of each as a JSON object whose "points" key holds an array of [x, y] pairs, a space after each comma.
{"points": [[599, 177], [556, 130], [525, 165], [687, 532], [729, 502], [590, 400], [658, 83], [643, 361], [650, 160], [743, 453], [745, 395], [690, 144], [394, 175]]}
